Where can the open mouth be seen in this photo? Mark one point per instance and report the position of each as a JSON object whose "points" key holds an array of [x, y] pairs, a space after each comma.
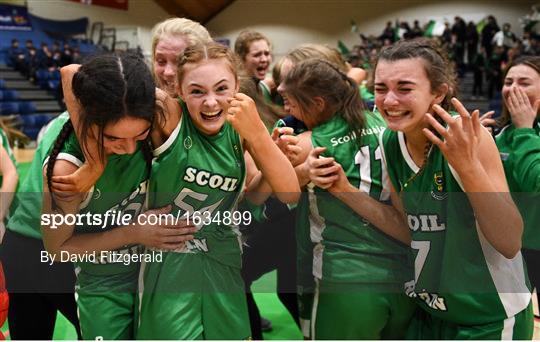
{"points": [[211, 116], [262, 69], [396, 113]]}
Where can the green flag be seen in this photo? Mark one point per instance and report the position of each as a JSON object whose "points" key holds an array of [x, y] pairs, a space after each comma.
{"points": [[480, 25], [343, 49], [434, 28]]}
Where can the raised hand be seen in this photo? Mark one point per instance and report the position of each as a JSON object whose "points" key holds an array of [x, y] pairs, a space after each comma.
{"points": [[521, 110], [287, 142], [487, 121], [169, 235], [322, 170], [460, 140], [244, 117]]}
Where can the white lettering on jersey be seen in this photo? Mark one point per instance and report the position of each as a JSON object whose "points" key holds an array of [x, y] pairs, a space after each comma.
{"points": [[426, 223], [352, 136], [212, 180]]}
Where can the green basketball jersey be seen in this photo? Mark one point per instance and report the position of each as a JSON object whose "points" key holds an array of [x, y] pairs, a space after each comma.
{"points": [[520, 152], [25, 218], [121, 190], [265, 90], [202, 177], [350, 249], [459, 277], [5, 143]]}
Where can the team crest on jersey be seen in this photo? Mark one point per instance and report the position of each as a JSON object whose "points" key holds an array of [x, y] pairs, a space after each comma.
{"points": [[188, 143], [438, 181]]}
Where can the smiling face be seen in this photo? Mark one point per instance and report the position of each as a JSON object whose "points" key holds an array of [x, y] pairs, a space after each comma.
{"points": [[524, 77], [122, 136], [205, 88], [258, 59], [165, 62], [403, 94]]}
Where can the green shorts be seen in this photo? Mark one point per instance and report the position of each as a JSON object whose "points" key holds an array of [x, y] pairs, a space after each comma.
{"points": [[426, 327], [192, 296], [360, 311], [107, 305]]}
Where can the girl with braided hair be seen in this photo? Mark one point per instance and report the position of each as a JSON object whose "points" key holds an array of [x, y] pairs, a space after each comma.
{"points": [[115, 109], [359, 259], [469, 280]]}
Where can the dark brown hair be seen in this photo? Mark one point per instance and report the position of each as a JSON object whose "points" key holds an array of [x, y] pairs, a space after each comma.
{"points": [[320, 78], [532, 62], [437, 65]]}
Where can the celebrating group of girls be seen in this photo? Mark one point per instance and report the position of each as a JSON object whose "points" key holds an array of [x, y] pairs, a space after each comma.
{"points": [[406, 227]]}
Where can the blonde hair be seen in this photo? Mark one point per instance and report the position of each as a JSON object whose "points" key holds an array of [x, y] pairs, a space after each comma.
{"points": [[191, 31], [198, 53], [317, 51]]}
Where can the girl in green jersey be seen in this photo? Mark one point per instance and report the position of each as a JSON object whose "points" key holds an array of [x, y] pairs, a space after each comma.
{"points": [[519, 147], [114, 100], [359, 257], [469, 277], [196, 291]]}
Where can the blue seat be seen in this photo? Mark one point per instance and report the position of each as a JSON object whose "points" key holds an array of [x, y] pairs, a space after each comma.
{"points": [[28, 120], [2, 83], [31, 132], [27, 107], [8, 108], [42, 75], [9, 95], [54, 75]]}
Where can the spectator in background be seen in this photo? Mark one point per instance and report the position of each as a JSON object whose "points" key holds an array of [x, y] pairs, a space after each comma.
{"points": [[55, 46], [504, 37], [494, 71], [488, 32], [388, 32], [447, 34], [416, 30], [471, 38], [533, 48], [44, 56], [16, 55], [31, 64], [404, 30], [478, 65], [29, 44], [459, 29], [66, 56]]}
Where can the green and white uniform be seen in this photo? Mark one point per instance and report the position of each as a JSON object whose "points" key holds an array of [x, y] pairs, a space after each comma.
{"points": [[520, 153], [359, 269], [197, 292], [106, 289], [468, 289], [265, 91], [24, 219]]}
